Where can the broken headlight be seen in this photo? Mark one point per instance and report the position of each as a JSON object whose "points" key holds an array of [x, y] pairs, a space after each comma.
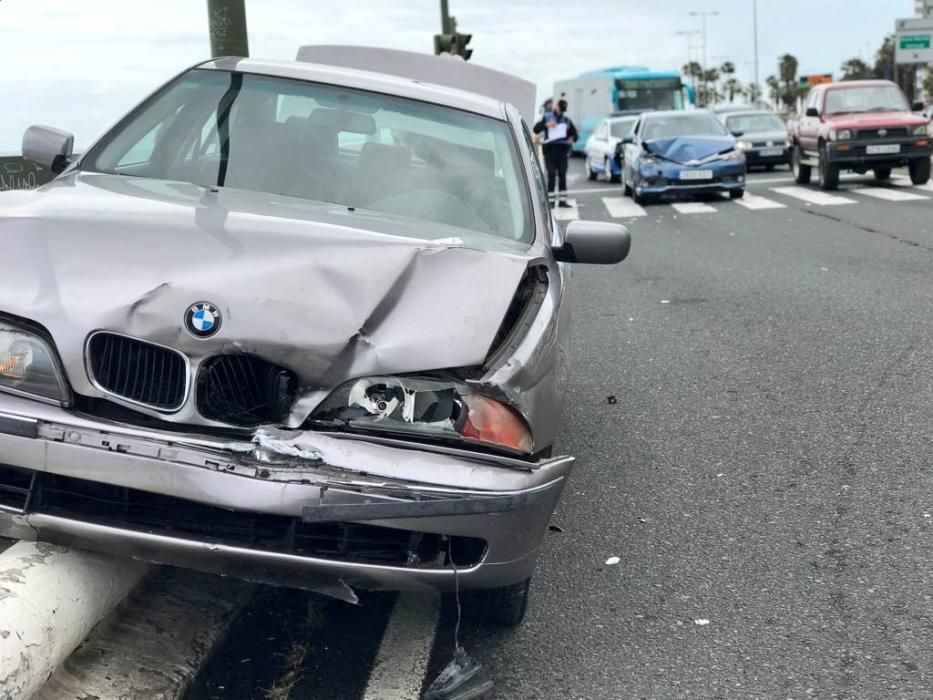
{"points": [[423, 407], [28, 366]]}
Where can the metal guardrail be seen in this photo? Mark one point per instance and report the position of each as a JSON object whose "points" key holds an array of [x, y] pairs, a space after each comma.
{"points": [[16, 173]]}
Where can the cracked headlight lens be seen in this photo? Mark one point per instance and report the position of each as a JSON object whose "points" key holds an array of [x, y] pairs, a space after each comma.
{"points": [[424, 407], [28, 366]]}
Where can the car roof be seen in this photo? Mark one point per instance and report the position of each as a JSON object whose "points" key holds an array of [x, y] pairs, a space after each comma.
{"points": [[749, 112], [363, 80], [849, 84], [678, 113]]}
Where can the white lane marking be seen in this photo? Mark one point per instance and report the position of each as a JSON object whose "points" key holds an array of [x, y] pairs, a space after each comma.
{"points": [[693, 208], [623, 208], [818, 197], [753, 201], [888, 194], [565, 213], [402, 660], [926, 188], [596, 190]]}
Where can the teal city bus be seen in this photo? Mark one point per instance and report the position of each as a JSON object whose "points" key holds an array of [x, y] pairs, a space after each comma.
{"points": [[597, 94]]}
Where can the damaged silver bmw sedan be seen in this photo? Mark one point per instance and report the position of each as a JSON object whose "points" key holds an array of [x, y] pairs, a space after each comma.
{"points": [[296, 323]]}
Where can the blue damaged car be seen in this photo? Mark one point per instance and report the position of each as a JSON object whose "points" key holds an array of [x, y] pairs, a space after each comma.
{"points": [[681, 153]]}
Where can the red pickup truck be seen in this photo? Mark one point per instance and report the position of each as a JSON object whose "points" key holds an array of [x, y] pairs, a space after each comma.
{"points": [[859, 125]]}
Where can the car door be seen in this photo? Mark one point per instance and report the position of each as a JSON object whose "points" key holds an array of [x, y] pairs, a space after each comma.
{"points": [[596, 149], [631, 153], [808, 129]]}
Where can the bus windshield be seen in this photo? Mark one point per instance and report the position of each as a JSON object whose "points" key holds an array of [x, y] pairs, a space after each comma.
{"points": [[657, 94]]}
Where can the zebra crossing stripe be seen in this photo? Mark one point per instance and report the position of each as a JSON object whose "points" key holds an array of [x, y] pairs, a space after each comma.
{"points": [[623, 208], [567, 213], [818, 197], [889, 194], [754, 202], [693, 208]]}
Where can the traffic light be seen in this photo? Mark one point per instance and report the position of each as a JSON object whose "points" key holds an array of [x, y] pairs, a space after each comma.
{"points": [[454, 44], [463, 50]]}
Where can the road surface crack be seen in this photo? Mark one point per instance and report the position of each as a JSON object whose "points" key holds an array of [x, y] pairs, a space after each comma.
{"points": [[869, 229]]}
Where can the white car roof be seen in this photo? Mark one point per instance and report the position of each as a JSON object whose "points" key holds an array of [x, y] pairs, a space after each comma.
{"points": [[364, 80]]}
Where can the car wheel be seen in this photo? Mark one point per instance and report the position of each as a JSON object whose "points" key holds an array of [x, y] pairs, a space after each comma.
{"points": [[802, 173], [882, 173], [640, 199], [829, 173], [626, 189], [505, 606], [610, 176], [919, 171], [589, 169], [737, 194]]}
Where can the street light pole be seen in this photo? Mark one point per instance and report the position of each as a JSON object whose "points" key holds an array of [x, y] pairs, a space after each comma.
{"points": [[755, 34], [227, 26], [703, 14], [445, 18]]}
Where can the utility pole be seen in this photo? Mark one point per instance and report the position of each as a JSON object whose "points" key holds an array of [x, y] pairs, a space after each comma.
{"points": [[227, 24], [445, 19], [755, 34], [703, 14], [450, 41]]}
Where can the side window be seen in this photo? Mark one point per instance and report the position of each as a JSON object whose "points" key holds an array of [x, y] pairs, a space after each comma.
{"points": [[540, 184]]}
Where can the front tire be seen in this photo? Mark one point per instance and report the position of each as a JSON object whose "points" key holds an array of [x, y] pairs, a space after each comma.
{"points": [[737, 194], [505, 606], [590, 174], [802, 173], [919, 171], [829, 173], [882, 174]]}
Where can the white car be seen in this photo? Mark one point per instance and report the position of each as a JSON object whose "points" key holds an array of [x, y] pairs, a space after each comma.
{"points": [[603, 148]]}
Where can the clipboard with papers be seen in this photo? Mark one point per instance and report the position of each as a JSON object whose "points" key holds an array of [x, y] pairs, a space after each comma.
{"points": [[558, 132]]}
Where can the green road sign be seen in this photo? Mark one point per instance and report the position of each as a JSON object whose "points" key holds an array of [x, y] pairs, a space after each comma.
{"points": [[915, 41], [19, 174]]}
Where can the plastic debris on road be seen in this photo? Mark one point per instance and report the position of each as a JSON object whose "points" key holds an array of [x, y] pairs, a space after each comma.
{"points": [[702, 622], [612, 561], [463, 678]]}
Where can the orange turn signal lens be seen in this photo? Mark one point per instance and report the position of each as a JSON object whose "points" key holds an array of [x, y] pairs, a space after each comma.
{"points": [[495, 423]]}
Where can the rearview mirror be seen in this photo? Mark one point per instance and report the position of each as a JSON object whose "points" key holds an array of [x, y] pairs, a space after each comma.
{"points": [[917, 107], [594, 242], [48, 147], [812, 112]]}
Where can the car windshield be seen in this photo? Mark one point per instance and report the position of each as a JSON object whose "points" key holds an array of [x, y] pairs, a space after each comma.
{"points": [[873, 98], [358, 149], [621, 128], [751, 123], [687, 124]]}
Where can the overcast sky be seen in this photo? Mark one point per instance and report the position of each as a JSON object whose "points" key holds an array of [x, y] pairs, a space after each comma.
{"points": [[80, 64]]}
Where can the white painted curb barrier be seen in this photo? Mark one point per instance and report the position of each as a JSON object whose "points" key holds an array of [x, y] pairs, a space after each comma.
{"points": [[50, 599]]}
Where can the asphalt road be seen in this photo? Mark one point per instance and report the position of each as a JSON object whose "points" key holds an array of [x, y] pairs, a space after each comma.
{"points": [[764, 476]]}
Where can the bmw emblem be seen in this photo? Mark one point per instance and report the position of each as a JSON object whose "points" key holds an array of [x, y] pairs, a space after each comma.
{"points": [[202, 319]]}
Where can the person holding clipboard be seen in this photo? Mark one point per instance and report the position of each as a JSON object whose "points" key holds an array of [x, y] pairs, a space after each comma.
{"points": [[559, 134]]}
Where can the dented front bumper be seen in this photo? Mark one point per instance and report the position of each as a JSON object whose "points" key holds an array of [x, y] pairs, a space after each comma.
{"points": [[244, 508]]}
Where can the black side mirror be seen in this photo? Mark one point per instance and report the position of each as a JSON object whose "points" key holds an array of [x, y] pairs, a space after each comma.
{"points": [[916, 107], [812, 112], [628, 138], [737, 133]]}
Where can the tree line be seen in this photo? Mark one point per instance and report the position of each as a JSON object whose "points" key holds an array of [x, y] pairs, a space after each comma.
{"points": [[714, 85]]}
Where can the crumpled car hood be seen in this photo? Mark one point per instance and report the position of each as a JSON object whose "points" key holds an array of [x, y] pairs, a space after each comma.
{"points": [[331, 294], [684, 149]]}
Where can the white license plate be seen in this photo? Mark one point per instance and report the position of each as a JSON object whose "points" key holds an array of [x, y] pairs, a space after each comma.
{"points": [[696, 174], [770, 152], [886, 148]]}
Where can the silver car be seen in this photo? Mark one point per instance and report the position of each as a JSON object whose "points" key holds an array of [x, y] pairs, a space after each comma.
{"points": [[295, 323]]}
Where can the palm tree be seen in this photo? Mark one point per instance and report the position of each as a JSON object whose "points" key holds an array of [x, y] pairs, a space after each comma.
{"points": [[855, 69], [787, 68], [709, 77], [774, 89], [732, 88], [752, 93]]}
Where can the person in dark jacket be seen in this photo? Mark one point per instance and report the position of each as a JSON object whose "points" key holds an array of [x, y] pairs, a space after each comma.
{"points": [[559, 134]]}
